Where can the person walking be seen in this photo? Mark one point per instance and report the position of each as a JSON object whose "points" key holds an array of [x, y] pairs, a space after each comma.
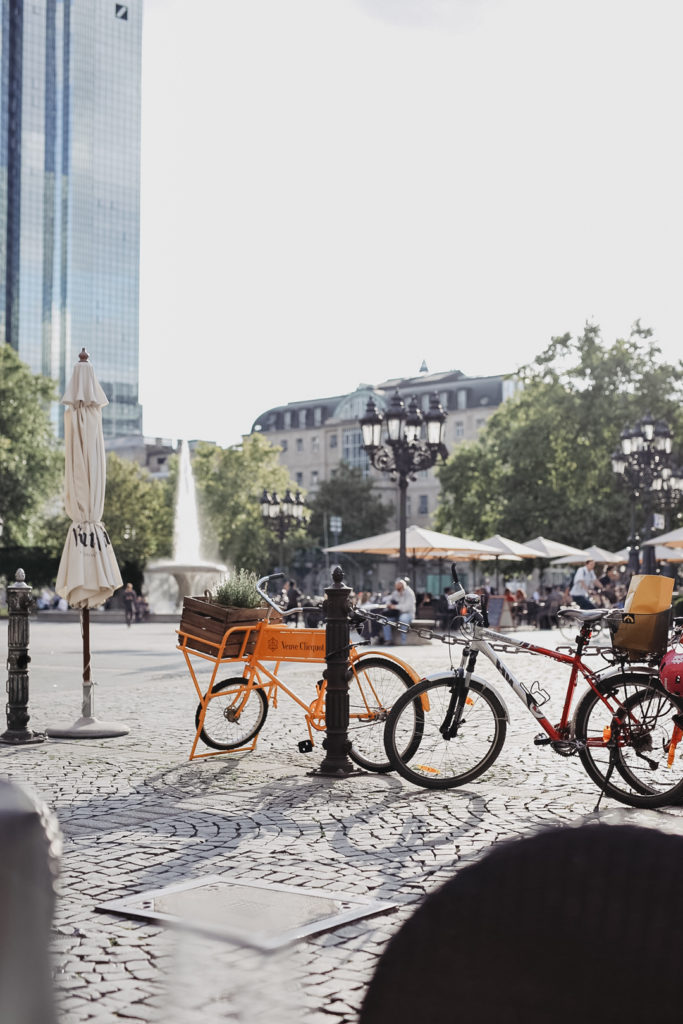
{"points": [[292, 596], [129, 603], [585, 581], [402, 601]]}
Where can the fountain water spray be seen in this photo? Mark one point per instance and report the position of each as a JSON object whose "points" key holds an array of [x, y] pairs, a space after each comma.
{"points": [[192, 573]]}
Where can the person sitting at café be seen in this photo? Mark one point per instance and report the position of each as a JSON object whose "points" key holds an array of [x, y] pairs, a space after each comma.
{"points": [[402, 604]]}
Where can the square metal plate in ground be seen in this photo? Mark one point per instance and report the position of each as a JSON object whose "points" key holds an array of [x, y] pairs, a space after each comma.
{"points": [[253, 913]]}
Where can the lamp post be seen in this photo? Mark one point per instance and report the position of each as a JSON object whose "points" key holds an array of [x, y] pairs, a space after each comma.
{"points": [[283, 514], [405, 451], [643, 461]]}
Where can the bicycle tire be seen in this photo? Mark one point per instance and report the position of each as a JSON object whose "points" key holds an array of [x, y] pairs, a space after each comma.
{"points": [[220, 730], [375, 684], [641, 776], [442, 763]]}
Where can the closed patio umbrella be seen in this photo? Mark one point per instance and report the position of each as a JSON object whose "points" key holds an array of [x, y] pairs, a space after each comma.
{"points": [[88, 572]]}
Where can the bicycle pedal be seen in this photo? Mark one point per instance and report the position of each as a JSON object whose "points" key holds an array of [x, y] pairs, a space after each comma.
{"points": [[305, 747], [541, 740]]}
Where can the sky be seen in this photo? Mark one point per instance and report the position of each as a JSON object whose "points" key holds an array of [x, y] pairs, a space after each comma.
{"points": [[335, 190]]}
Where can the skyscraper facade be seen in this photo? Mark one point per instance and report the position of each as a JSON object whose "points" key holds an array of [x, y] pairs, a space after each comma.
{"points": [[70, 192]]}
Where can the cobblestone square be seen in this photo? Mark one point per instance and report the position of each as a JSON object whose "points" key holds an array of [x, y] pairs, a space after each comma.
{"points": [[137, 815]]}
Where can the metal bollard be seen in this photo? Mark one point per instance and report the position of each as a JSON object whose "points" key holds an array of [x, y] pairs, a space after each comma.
{"points": [[18, 604], [337, 744], [30, 847]]}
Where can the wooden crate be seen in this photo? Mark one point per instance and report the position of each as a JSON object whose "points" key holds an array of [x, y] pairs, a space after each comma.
{"points": [[209, 622]]}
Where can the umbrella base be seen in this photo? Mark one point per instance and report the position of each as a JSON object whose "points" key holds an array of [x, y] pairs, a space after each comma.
{"points": [[88, 729]]}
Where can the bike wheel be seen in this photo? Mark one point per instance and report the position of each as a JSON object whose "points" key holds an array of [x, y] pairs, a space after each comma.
{"points": [[228, 723], [633, 736], [568, 628], [441, 763], [375, 684]]}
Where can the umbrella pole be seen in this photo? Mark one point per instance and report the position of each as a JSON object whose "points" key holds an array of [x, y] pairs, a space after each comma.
{"points": [[87, 708]]}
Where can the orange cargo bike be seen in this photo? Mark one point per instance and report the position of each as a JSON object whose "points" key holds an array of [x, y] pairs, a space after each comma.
{"points": [[233, 710]]}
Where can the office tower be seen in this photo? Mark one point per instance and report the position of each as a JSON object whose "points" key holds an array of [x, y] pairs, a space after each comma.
{"points": [[69, 192]]}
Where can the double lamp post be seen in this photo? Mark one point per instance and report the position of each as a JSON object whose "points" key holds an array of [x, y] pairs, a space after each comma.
{"points": [[643, 461], [281, 515], [413, 441]]}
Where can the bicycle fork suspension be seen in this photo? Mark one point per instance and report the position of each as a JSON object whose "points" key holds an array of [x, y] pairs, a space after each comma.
{"points": [[459, 698]]}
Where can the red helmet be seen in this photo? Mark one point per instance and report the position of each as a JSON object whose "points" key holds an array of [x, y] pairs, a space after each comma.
{"points": [[671, 672]]}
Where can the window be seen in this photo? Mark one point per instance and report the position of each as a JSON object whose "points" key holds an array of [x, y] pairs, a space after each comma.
{"points": [[353, 452], [314, 478], [299, 444], [284, 445], [315, 443], [299, 479], [479, 424], [423, 505], [333, 440], [459, 430]]}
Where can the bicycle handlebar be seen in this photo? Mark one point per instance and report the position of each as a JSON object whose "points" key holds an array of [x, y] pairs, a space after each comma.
{"points": [[264, 594]]}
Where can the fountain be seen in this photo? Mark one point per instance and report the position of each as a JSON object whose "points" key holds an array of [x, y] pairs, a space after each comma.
{"points": [[187, 573]]}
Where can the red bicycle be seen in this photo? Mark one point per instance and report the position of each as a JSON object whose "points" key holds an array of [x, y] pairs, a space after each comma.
{"points": [[626, 728]]}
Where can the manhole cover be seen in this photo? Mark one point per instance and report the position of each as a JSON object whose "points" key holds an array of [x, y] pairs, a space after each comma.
{"points": [[260, 914]]}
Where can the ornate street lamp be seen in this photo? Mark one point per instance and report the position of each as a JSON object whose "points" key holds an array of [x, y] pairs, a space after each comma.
{"points": [[283, 514], [406, 450], [643, 461]]}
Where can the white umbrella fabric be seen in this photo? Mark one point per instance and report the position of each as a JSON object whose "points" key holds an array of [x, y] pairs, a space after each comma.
{"points": [[88, 571], [420, 543], [551, 548], [508, 551], [598, 554], [673, 539], [662, 554]]}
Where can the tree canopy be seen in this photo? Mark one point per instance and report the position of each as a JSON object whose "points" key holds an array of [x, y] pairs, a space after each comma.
{"points": [[353, 497], [31, 462], [542, 464]]}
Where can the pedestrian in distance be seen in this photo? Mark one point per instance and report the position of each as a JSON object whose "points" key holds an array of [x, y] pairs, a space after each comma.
{"points": [[585, 581], [130, 599]]}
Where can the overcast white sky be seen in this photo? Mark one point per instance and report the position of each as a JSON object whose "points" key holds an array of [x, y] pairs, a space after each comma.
{"points": [[335, 190]]}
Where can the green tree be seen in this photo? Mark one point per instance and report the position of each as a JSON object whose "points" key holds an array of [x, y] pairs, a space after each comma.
{"points": [[230, 482], [542, 465], [138, 515], [31, 461], [353, 497]]}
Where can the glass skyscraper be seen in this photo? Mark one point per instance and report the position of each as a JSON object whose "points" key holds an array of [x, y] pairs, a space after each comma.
{"points": [[70, 192]]}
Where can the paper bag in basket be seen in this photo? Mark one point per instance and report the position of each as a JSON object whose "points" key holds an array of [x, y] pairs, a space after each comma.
{"points": [[649, 594]]}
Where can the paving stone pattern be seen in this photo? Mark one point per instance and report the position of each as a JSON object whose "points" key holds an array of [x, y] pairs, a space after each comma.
{"points": [[136, 815]]}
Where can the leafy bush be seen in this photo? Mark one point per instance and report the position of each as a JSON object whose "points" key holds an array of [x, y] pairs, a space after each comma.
{"points": [[238, 590]]}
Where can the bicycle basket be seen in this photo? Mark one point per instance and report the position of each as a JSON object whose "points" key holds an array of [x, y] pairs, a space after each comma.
{"points": [[639, 635]]}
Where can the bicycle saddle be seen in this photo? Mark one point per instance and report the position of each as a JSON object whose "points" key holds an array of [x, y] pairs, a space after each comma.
{"points": [[583, 615]]}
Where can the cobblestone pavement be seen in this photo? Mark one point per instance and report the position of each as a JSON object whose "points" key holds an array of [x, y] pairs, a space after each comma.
{"points": [[136, 815]]}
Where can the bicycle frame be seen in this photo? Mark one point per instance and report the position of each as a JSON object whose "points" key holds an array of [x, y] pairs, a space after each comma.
{"points": [[478, 643], [273, 643]]}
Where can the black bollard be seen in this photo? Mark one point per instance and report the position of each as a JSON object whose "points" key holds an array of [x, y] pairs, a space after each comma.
{"points": [[337, 762], [18, 605]]}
